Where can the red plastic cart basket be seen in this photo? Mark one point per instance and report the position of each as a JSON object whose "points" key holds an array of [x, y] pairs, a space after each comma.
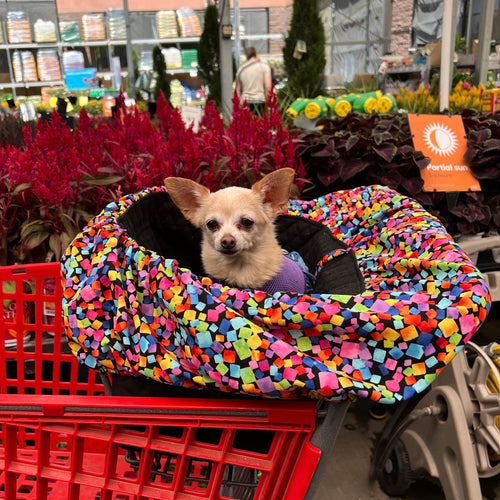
{"points": [[61, 437]]}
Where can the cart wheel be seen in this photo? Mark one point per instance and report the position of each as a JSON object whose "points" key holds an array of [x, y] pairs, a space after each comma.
{"points": [[395, 478]]}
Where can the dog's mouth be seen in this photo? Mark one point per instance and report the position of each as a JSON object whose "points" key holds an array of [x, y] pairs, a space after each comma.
{"points": [[229, 251]]}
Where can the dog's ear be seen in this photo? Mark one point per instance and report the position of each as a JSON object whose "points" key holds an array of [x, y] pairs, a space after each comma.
{"points": [[188, 195], [274, 189]]}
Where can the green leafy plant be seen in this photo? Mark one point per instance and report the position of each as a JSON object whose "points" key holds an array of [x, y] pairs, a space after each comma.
{"points": [[461, 44], [94, 108]]}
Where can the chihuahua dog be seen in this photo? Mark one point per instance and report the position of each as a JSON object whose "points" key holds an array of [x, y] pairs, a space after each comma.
{"points": [[239, 245]]}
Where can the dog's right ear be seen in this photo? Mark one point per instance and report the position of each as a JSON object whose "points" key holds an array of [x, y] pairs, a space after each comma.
{"points": [[274, 189], [188, 195]]}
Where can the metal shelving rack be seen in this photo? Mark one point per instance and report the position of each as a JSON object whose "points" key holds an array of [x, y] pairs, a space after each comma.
{"points": [[60, 45], [9, 48]]}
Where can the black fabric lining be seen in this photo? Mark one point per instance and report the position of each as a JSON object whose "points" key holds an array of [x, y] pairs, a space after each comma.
{"points": [[156, 223], [124, 385], [312, 240]]}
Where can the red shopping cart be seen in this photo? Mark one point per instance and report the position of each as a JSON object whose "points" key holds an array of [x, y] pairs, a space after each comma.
{"points": [[62, 437]]}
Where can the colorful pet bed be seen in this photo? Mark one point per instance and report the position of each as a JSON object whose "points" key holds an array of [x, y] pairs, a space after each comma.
{"points": [[395, 300]]}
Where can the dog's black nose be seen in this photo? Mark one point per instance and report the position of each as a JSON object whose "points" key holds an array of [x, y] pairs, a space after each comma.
{"points": [[228, 243]]}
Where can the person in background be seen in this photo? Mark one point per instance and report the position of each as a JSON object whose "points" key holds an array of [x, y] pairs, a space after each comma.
{"points": [[253, 82]]}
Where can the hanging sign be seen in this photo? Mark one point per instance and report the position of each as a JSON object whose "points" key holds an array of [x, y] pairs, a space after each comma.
{"points": [[442, 139]]}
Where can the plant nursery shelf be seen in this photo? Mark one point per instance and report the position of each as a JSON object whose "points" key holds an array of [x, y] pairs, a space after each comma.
{"points": [[18, 46], [157, 41], [145, 41], [25, 85], [112, 42], [417, 68]]}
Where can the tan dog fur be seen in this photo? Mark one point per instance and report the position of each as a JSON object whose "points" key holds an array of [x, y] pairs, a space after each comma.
{"points": [[239, 243]]}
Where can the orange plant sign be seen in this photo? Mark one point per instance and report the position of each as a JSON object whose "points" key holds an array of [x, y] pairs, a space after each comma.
{"points": [[442, 139]]}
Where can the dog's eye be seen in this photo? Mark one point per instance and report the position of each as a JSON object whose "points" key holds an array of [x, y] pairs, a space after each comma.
{"points": [[246, 223], [212, 225]]}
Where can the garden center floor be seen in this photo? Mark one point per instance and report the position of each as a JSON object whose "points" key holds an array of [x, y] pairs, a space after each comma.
{"points": [[347, 477], [350, 463]]}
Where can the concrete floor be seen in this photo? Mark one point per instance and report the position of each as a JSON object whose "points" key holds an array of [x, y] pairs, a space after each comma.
{"points": [[349, 463], [347, 476]]}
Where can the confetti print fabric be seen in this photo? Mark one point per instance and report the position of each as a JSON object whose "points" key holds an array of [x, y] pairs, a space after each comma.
{"points": [[130, 310]]}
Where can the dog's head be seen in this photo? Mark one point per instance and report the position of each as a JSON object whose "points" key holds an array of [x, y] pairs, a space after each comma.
{"points": [[234, 219]]}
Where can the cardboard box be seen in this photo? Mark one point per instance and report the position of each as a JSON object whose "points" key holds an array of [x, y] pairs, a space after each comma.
{"points": [[364, 79], [433, 52]]}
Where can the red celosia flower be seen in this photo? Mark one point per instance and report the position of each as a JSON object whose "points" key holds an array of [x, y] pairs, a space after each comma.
{"points": [[62, 178]]}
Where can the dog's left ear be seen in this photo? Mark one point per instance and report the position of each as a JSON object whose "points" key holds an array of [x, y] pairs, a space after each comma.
{"points": [[274, 189]]}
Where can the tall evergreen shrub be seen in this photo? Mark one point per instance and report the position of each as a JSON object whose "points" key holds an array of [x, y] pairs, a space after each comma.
{"points": [[209, 54], [160, 68], [305, 75]]}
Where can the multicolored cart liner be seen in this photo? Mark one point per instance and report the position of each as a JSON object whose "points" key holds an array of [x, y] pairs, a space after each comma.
{"points": [[132, 311]]}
